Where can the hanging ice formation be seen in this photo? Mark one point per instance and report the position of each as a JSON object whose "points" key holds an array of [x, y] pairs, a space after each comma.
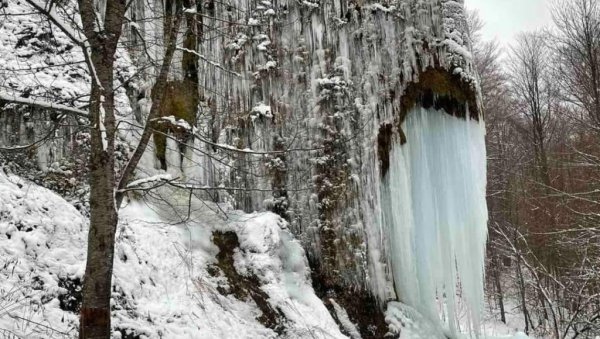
{"points": [[434, 208]]}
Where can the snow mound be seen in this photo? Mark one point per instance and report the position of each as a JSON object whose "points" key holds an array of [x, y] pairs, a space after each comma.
{"points": [[41, 260], [410, 324], [163, 286]]}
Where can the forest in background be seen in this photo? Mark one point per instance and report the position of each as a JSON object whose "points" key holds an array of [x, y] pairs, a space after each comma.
{"points": [[542, 105]]}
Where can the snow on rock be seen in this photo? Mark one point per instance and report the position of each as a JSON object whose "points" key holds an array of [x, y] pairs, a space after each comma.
{"points": [[176, 122], [43, 67], [379, 7], [269, 251], [344, 320], [162, 287], [261, 110], [38, 59], [341, 70]]}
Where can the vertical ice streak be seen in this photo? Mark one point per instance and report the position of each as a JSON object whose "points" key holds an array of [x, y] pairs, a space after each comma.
{"points": [[435, 211]]}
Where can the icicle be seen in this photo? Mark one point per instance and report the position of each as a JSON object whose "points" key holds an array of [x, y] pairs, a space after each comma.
{"points": [[434, 208]]}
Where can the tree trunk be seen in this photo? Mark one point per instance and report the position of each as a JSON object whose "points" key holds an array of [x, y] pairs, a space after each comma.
{"points": [[103, 31], [522, 291], [95, 311], [498, 286]]}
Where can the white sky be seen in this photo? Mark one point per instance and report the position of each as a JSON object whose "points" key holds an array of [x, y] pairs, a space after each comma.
{"points": [[504, 19]]}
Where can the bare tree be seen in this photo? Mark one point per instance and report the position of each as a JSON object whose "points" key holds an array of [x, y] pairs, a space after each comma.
{"points": [[98, 37], [577, 48], [492, 81], [543, 159], [542, 199], [532, 87]]}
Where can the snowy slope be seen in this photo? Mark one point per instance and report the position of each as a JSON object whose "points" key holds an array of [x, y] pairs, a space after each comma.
{"points": [[164, 286], [41, 250]]}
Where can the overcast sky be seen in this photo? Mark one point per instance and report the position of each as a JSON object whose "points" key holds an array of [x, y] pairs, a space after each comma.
{"points": [[504, 19]]}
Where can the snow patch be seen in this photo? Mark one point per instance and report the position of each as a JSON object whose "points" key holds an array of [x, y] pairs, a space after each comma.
{"points": [[162, 288], [344, 320]]}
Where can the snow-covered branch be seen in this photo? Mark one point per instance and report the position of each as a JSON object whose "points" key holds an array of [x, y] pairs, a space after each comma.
{"points": [[161, 178], [195, 187], [43, 104], [210, 62]]}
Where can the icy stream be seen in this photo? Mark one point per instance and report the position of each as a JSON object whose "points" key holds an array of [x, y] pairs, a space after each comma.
{"points": [[434, 208]]}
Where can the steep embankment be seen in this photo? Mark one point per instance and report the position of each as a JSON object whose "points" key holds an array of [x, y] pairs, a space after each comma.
{"points": [[244, 278]]}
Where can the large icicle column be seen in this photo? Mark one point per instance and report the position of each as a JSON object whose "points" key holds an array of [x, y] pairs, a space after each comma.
{"points": [[434, 208]]}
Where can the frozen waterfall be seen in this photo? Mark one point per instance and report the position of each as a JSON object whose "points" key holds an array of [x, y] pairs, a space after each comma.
{"points": [[435, 213]]}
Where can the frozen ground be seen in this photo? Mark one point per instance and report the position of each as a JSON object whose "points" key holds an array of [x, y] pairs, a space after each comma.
{"points": [[162, 288]]}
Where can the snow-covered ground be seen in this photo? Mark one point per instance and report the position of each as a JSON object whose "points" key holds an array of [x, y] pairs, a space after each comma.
{"points": [[162, 285], [165, 285], [412, 325], [494, 328]]}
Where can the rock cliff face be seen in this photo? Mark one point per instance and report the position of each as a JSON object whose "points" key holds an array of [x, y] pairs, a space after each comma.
{"points": [[312, 94], [301, 103]]}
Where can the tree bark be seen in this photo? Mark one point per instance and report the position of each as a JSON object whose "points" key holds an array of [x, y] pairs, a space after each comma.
{"points": [[102, 31], [104, 198], [498, 287], [95, 311]]}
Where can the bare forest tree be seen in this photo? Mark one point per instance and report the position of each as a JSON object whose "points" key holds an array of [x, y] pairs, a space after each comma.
{"points": [[534, 91], [98, 37], [495, 95], [542, 172], [576, 42]]}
